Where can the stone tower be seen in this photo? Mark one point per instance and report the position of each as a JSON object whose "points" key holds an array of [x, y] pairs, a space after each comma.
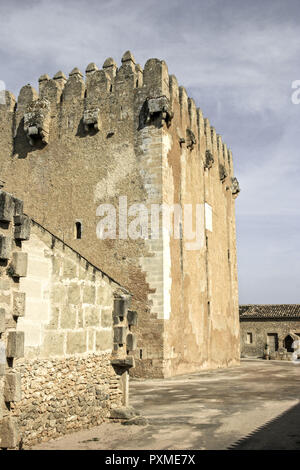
{"points": [[130, 138]]}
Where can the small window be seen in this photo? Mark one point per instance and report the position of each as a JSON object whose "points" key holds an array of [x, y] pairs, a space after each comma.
{"points": [[78, 230], [208, 309], [249, 338], [141, 354]]}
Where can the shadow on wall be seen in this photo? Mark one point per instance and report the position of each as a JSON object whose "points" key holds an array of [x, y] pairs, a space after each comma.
{"points": [[282, 433]]}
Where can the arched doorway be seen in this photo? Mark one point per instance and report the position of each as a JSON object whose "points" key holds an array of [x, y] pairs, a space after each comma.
{"points": [[287, 343]]}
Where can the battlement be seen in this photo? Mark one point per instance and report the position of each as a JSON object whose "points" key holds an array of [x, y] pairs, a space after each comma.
{"points": [[153, 90]]}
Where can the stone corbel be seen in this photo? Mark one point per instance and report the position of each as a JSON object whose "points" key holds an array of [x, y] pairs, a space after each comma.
{"points": [[91, 119], [37, 121], [159, 107], [235, 187], [209, 160], [190, 139], [223, 172]]}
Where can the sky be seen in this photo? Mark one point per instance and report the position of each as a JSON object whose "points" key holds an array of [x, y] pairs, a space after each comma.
{"points": [[236, 58]]}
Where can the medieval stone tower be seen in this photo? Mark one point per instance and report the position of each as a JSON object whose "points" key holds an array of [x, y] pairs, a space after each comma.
{"points": [[131, 135]]}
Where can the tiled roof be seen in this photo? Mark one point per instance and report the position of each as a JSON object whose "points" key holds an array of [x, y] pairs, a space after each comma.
{"points": [[270, 311]]}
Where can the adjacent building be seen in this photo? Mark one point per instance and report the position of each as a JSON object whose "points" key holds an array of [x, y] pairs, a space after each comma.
{"points": [[269, 327]]}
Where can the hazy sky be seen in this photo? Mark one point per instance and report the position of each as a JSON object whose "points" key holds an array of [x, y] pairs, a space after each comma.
{"points": [[236, 58]]}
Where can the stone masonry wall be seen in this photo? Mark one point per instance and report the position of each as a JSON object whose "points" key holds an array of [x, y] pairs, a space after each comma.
{"points": [[61, 395], [14, 229], [133, 133], [260, 330], [75, 367]]}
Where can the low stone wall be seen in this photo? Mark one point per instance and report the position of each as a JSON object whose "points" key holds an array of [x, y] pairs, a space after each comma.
{"points": [[66, 344], [63, 395], [14, 229]]}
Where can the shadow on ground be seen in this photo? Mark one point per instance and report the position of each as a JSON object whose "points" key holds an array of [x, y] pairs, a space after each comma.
{"points": [[281, 433]]}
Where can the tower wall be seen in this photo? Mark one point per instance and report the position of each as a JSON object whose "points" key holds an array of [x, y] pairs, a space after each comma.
{"points": [[133, 132]]}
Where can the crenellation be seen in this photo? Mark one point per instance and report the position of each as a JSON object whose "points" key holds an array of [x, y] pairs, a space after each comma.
{"points": [[42, 81], [92, 67], [110, 67], [156, 78], [207, 131], [174, 89], [225, 160], [10, 103], [184, 108], [230, 162], [200, 122], [128, 59], [60, 79], [74, 88], [98, 85], [220, 148], [192, 114], [27, 95], [126, 75], [213, 136], [139, 76], [51, 90]]}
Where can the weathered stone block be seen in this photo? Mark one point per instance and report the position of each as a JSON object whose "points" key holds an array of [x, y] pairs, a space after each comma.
{"points": [[19, 263], [70, 269], [123, 413], [7, 207], [37, 121], [4, 284], [19, 304], [120, 334], [15, 344], [56, 264], [74, 294], [137, 421], [9, 433], [59, 293], [18, 206], [22, 227], [125, 363], [53, 344], [120, 307], [2, 358], [89, 295], [91, 339], [92, 316], [5, 247], [131, 342], [12, 387], [132, 318], [53, 324], [106, 318], [5, 299], [76, 342], [68, 317], [104, 340], [104, 296], [2, 320]]}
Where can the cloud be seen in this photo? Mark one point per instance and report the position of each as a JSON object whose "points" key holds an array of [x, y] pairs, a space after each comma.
{"points": [[236, 59]]}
